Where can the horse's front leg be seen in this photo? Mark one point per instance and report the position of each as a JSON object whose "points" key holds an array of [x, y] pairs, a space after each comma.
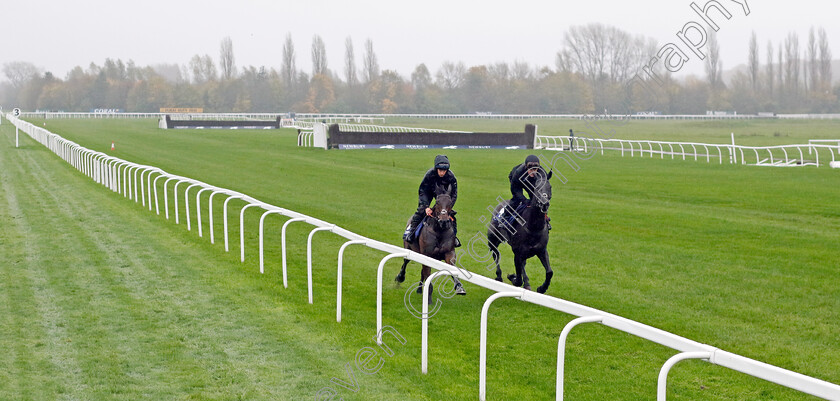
{"points": [[425, 272], [519, 263], [401, 276], [458, 287], [523, 275], [493, 244], [548, 272]]}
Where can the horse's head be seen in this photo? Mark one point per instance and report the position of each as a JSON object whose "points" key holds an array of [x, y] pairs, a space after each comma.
{"points": [[542, 191], [443, 204]]}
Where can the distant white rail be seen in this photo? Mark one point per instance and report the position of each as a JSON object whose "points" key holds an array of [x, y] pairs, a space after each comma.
{"points": [[125, 177], [779, 155]]}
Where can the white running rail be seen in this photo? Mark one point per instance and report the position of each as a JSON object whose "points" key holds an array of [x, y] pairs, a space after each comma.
{"points": [[780, 155], [122, 176]]}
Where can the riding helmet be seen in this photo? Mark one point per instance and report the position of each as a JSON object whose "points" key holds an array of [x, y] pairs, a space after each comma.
{"points": [[441, 162], [532, 161]]}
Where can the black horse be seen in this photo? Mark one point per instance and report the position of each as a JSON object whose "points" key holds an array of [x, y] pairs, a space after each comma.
{"points": [[436, 239], [527, 235]]}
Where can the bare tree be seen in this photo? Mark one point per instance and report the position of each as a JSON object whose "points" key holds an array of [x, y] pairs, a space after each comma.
{"points": [[202, 69], [825, 61], [371, 65], [289, 70], [812, 70], [753, 62], [195, 69], [500, 73], [792, 63], [226, 59], [19, 72], [319, 56], [603, 52], [780, 77], [451, 75], [714, 65], [210, 71], [350, 63], [521, 71], [771, 76], [563, 61], [421, 78]]}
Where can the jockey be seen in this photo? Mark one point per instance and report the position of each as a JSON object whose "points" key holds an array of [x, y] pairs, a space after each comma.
{"points": [[523, 173], [439, 175]]}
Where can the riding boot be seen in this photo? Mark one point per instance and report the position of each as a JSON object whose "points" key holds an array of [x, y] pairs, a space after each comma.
{"points": [[412, 227]]}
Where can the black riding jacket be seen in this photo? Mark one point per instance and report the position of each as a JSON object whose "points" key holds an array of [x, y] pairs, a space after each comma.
{"points": [[519, 174], [430, 180]]}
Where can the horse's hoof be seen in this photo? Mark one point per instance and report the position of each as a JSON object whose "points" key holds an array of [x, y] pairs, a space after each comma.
{"points": [[541, 289], [400, 278], [528, 287], [459, 290], [499, 279]]}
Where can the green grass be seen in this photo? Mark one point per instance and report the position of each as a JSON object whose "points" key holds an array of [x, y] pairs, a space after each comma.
{"points": [[105, 300]]}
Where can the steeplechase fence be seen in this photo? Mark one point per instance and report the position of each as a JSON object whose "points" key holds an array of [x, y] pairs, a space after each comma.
{"points": [[353, 136]]}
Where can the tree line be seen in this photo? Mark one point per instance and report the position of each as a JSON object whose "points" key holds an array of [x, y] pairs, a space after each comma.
{"points": [[590, 75]]}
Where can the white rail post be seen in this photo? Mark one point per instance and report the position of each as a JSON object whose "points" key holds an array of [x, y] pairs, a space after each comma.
{"points": [[283, 246], [424, 353], [187, 204], [734, 156], [175, 193], [154, 185], [379, 291], [309, 256], [224, 217], [482, 360], [561, 348], [662, 384], [242, 230], [134, 182], [339, 273], [197, 209], [210, 210], [262, 232]]}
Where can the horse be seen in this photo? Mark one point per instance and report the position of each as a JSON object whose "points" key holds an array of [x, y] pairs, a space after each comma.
{"points": [[436, 239], [527, 235]]}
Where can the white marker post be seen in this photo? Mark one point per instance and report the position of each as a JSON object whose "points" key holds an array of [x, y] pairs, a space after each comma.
{"points": [[734, 156], [16, 112]]}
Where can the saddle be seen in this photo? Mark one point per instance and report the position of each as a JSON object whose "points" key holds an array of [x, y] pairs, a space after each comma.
{"points": [[419, 228], [508, 219]]}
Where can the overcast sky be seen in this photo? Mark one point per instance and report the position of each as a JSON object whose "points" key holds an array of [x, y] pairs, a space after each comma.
{"points": [[58, 35]]}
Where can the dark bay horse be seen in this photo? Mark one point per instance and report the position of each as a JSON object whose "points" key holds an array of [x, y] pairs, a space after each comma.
{"points": [[436, 239], [527, 235]]}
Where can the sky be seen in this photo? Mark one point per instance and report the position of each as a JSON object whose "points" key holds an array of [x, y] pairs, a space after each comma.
{"points": [[59, 35]]}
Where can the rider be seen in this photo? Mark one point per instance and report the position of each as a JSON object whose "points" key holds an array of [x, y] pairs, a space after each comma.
{"points": [[440, 175], [521, 174]]}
